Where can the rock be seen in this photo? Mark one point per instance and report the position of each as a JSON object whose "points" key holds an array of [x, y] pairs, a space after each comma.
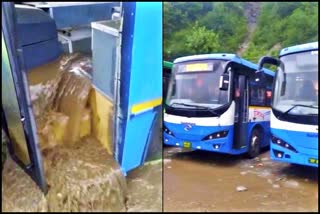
{"points": [[264, 173], [241, 188], [276, 186], [269, 181], [243, 173], [165, 161], [264, 159], [291, 184], [280, 178]]}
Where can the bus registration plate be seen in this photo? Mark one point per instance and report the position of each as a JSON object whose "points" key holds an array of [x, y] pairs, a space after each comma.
{"points": [[313, 161], [186, 144]]}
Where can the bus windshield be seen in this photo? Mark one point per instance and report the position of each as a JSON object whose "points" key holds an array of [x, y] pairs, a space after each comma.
{"points": [[197, 84], [296, 85]]}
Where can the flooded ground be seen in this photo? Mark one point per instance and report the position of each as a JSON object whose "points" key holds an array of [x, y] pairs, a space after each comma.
{"points": [[80, 170], [143, 191], [145, 188], [204, 181]]}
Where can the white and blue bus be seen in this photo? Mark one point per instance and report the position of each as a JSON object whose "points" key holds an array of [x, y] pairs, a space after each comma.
{"points": [[294, 115], [215, 103]]}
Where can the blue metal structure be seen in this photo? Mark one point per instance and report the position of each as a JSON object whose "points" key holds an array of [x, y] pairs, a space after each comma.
{"points": [[141, 81], [294, 119], [37, 36], [75, 14], [226, 128], [137, 74]]}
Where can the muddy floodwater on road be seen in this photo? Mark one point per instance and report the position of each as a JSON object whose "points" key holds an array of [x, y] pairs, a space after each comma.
{"points": [[204, 181]]}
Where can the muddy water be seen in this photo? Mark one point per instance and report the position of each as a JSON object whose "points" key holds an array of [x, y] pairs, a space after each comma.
{"points": [[203, 181], [81, 175], [145, 188]]}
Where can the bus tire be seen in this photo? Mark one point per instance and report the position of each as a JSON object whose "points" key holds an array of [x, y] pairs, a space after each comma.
{"points": [[254, 144]]}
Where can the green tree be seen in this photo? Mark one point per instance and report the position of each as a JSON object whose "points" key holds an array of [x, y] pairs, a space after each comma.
{"points": [[201, 40]]}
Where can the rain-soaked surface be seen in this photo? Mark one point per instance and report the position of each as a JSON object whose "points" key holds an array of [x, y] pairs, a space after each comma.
{"points": [[204, 181], [80, 173]]}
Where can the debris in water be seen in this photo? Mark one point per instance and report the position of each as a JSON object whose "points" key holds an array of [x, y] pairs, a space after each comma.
{"points": [[276, 186], [19, 192], [291, 184], [81, 174], [264, 159], [241, 188], [165, 161], [243, 173], [280, 178], [145, 188], [169, 167], [251, 166]]}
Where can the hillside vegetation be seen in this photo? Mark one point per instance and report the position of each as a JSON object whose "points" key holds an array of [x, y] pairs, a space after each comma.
{"points": [[250, 29]]}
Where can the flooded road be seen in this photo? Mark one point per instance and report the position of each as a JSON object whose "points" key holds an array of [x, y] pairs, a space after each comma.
{"points": [[204, 181], [145, 188]]}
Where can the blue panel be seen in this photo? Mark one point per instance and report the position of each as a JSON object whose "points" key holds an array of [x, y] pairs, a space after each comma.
{"points": [[34, 25], [145, 79], [41, 53], [180, 136], [126, 60], [37, 36], [306, 145], [72, 16], [299, 48]]}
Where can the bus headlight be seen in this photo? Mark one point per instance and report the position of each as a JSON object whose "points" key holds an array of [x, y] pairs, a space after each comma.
{"points": [[166, 130], [282, 143], [216, 135]]}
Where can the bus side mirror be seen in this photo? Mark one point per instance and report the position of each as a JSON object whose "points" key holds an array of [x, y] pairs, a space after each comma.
{"points": [[259, 77], [224, 82]]}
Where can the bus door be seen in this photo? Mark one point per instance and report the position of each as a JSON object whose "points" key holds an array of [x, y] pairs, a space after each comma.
{"points": [[17, 117], [139, 91], [241, 111]]}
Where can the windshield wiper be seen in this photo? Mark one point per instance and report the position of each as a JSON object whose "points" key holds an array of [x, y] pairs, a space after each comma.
{"points": [[308, 106], [197, 106]]}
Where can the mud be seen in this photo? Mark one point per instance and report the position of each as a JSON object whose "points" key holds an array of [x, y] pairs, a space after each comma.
{"points": [[81, 175], [19, 192], [204, 181], [145, 188], [84, 178]]}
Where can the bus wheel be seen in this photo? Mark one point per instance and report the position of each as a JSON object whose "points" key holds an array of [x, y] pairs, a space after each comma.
{"points": [[254, 146]]}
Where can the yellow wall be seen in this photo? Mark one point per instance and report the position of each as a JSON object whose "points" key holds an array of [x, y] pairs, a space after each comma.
{"points": [[102, 113]]}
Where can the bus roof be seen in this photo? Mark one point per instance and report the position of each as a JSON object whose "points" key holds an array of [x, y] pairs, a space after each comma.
{"points": [[224, 56], [299, 48], [167, 64]]}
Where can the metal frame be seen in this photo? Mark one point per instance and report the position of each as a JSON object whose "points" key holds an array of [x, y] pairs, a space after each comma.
{"points": [[35, 169]]}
